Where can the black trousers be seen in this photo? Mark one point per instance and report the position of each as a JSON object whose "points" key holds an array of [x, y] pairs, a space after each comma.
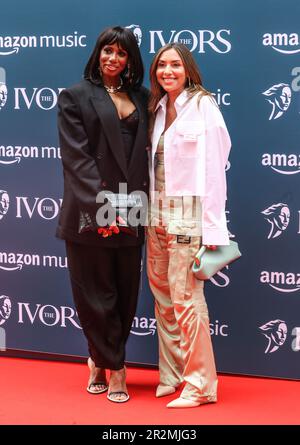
{"points": [[105, 285]]}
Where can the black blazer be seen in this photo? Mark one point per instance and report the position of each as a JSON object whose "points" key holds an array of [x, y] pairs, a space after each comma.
{"points": [[93, 157]]}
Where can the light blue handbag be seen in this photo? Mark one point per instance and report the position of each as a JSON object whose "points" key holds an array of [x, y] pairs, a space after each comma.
{"points": [[211, 261]]}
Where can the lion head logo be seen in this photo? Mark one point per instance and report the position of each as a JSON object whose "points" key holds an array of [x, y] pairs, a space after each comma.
{"points": [[3, 88], [278, 215], [5, 308], [4, 203], [280, 97], [136, 29], [276, 333]]}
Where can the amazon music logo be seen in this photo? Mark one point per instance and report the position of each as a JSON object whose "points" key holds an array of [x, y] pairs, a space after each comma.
{"points": [[142, 326], [14, 154], [282, 42], [13, 261], [14, 44], [282, 163], [285, 282]]}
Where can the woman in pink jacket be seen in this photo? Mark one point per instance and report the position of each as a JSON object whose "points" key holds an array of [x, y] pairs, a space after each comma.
{"points": [[190, 148]]}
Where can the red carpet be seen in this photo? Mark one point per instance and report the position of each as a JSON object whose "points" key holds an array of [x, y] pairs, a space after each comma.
{"points": [[38, 392]]}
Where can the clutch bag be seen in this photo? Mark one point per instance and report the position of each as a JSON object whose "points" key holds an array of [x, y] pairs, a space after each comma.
{"points": [[122, 204], [211, 261]]}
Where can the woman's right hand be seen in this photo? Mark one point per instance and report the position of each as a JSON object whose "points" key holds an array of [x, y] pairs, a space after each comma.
{"points": [[210, 247], [105, 232]]}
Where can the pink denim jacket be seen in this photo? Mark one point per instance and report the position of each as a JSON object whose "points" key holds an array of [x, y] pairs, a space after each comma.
{"points": [[196, 149]]}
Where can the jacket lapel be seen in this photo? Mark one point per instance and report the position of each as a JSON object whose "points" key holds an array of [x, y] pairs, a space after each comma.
{"points": [[109, 118], [140, 132]]}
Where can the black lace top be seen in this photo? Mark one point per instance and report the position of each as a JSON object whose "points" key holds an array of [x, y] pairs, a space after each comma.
{"points": [[129, 125]]}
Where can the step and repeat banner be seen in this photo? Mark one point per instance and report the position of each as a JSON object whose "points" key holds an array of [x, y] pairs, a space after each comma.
{"points": [[249, 56]]}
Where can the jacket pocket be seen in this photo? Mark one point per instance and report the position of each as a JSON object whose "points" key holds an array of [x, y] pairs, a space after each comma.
{"points": [[188, 138]]}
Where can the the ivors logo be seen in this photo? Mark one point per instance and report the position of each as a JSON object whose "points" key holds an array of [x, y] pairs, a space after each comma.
{"points": [[200, 40]]}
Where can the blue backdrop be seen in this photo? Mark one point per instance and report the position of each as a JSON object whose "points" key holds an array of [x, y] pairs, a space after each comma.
{"points": [[248, 54]]}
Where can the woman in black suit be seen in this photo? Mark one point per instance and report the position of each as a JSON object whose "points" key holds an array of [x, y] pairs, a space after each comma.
{"points": [[102, 125]]}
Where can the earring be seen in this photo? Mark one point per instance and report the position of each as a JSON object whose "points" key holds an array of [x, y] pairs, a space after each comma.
{"points": [[128, 74], [100, 70]]}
